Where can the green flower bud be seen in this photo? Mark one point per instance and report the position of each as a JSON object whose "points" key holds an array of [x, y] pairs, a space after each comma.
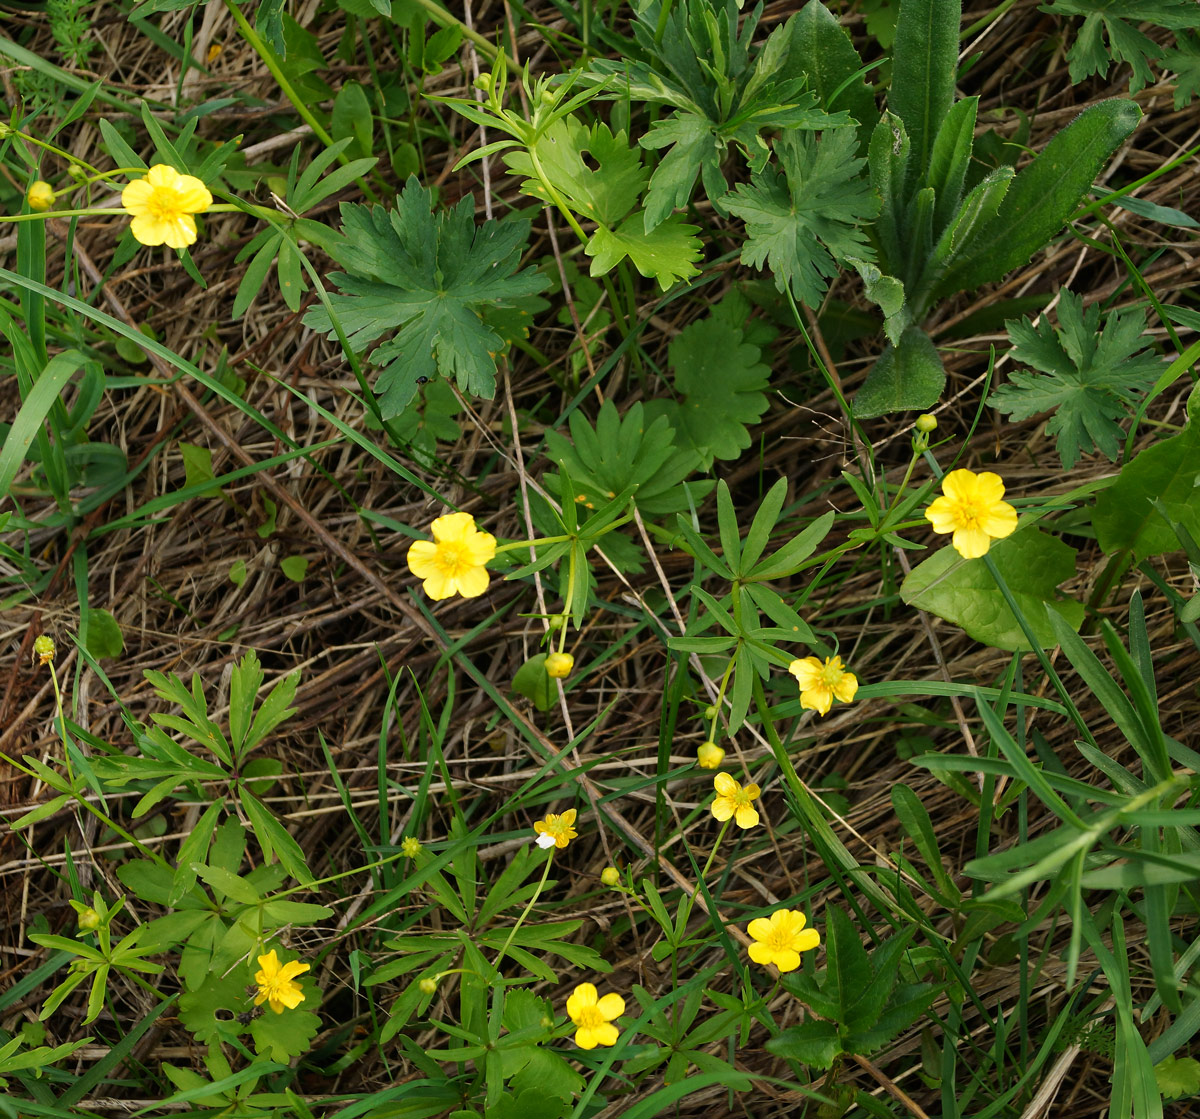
{"points": [[559, 665], [610, 876], [926, 423]]}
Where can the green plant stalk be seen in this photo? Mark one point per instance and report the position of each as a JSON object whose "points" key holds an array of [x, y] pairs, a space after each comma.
{"points": [[712, 730], [267, 55], [525, 912]]}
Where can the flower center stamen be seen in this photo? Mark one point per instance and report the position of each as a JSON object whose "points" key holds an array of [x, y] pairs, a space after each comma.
{"points": [[590, 1017]]}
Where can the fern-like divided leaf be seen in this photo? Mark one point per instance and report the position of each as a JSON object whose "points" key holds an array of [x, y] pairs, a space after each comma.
{"points": [[445, 286], [1088, 377]]}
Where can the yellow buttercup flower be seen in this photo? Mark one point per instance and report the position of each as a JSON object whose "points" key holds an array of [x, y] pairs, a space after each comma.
{"points": [[556, 831], [821, 683], [277, 984], [594, 1016], [162, 204], [972, 509], [733, 800], [780, 938], [40, 195], [453, 562]]}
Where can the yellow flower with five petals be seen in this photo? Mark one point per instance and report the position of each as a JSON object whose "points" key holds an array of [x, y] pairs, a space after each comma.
{"points": [[162, 204], [780, 938], [821, 683], [734, 800], [971, 508], [556, 831], [454, 561], [594, 1016], [277, 984]]}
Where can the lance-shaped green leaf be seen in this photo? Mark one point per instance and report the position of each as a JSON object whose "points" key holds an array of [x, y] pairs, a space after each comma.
{"points": [[887, 161], [924, 68], [1043, 195], [821, 48], [950, 158], [973, 216]]}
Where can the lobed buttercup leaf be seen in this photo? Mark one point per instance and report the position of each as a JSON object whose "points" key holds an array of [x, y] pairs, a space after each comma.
{"points": [[1119, 25], [432, 282], [805, 216], [1086, 376]]}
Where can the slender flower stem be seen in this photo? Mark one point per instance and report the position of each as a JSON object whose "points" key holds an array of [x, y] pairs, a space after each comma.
{"points": [[525, 913], [712, 730]]}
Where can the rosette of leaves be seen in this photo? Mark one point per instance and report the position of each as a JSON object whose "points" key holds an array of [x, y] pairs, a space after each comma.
{"points": [[602, 461], [723, 93], [449, 295]]}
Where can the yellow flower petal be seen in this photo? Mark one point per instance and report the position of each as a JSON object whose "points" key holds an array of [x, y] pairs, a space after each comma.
{"points": [[971, 543], [726, 785], [806, 671], [759, 928], [422, 558], [745, 817], [722, 808], [611, 1006]]}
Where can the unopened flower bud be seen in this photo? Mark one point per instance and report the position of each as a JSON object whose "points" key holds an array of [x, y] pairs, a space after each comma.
{"points": [[89, 919], [43, 649], [710, 713], [40, 196], [710, 755], [610, 876], [559, 665], [484, 81], [428, 985], [926, 423]]}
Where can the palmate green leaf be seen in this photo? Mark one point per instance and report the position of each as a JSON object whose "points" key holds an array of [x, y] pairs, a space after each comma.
{"points": [[1088, 378], [963, 591], [1117, 20], [724, 94], [604, 194], [432, 279], [805, 218], [721, 378], [618, 452]]}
